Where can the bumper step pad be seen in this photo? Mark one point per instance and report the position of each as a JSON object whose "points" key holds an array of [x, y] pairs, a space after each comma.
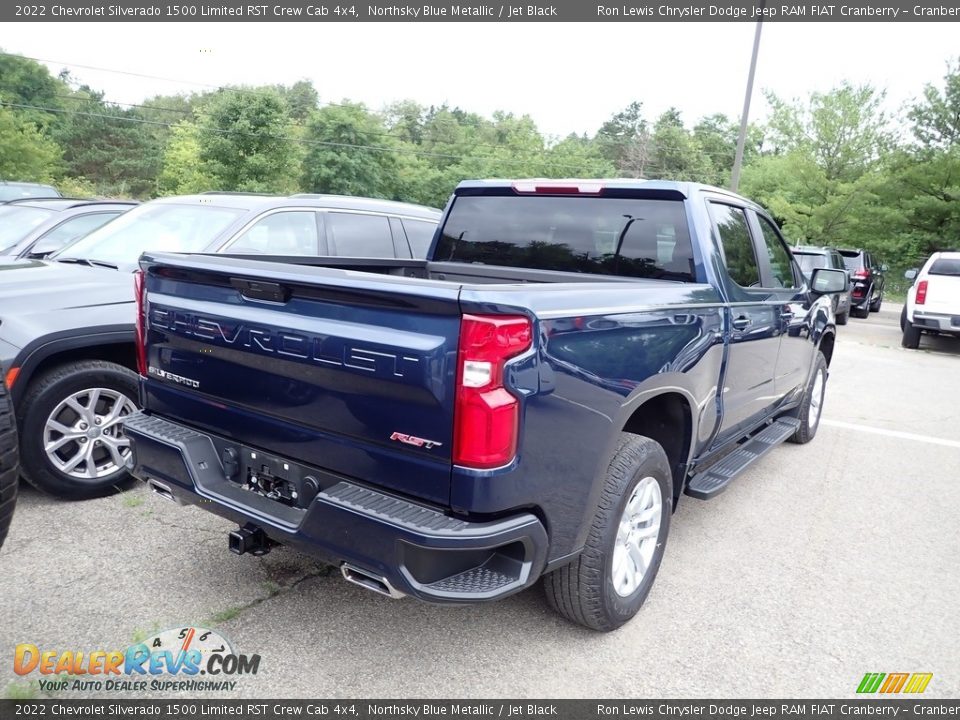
{"points": [[716, 478]]}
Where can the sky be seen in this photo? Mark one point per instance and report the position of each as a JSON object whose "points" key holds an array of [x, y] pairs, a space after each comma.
{"points": [[570, 77]]}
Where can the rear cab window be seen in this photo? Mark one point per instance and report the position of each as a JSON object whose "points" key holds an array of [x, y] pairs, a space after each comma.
{"points": [[945, 266], [633, 237], [359, 235]]}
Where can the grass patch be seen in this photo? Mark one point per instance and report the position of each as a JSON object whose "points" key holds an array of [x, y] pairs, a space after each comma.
{"points": [[27, 690], [132, 501], [226, 615]]}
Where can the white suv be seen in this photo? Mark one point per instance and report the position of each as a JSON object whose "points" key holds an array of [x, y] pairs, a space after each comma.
{"points": [[933, 301]]}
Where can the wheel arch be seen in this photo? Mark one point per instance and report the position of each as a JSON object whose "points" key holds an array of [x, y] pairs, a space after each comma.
{"points": [[112, 345]]}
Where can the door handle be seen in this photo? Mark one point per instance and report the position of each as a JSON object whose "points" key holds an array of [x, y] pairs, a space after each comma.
{"points": [[787, 315], [741, 323]]}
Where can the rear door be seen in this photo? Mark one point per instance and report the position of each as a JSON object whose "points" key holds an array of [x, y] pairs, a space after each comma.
{"points": [[339, 370], [784, 282]]}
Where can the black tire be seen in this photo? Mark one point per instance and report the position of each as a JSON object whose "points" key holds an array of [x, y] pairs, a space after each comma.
{"points": [[9, 456], [808, 426], [911, 335], [842, 319], [860, 312], [875, 305], [43, 396], [903, 318], [583, 591]]}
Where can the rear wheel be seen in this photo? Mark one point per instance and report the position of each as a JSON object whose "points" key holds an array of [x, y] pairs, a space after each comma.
{"points": [[9, 455], [911, 335], [903, 318], [843, 318], [606, 585], [875, 305], [72, 444]]}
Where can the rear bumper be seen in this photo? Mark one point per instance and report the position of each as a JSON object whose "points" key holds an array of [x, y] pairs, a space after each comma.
{"points": [[936, 321], [418, 550]]}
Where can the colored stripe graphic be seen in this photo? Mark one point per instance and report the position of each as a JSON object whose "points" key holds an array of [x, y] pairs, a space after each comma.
{"points": [[918, 682], [895, 682], [870, 682]]}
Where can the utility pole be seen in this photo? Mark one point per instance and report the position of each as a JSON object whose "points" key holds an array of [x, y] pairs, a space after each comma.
{"points": [[745, 116]]}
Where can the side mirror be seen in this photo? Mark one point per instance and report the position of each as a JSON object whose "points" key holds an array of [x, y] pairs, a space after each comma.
{"points": [[825, 281], [884, 267], [911, 274]]}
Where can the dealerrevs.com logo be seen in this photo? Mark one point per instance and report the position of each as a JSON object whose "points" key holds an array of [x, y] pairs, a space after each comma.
{"points": [[894, 683], [189, 659]]}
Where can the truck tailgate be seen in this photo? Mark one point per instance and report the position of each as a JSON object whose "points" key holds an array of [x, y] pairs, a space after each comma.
{"points": [[348, 372]]}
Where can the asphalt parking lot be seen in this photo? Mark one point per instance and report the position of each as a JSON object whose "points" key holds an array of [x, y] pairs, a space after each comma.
{"points": [[823, 562]]}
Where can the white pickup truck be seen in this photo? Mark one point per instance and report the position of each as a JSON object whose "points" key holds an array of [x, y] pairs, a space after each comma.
{"points": [[933, 301]]}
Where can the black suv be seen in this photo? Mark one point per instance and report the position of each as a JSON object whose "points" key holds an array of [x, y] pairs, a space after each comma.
{"points": [[866, 281], [809, 258]]}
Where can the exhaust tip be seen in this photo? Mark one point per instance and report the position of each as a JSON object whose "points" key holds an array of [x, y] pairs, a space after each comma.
{"points": [[370, 581], [163, 491]]}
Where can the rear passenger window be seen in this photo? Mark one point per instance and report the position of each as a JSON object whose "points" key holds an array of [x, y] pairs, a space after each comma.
{"points": [[282, 233], [780, 266], [736, 245], [420, 235], [355, 235]]}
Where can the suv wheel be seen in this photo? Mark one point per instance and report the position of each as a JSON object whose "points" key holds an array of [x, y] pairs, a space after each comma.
{"points": [[875, 305], [842, 319], [8, 462], [810, 409], [606, 585], [911, 335], [72, 442]]}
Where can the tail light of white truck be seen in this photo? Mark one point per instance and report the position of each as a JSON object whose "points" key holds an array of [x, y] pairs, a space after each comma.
{"points": [[140, 290], [921, 296], [487, 415]]}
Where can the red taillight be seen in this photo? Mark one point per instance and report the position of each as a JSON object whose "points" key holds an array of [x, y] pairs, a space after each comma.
{"points": [[862, 274], [921, 292], [487, 416], [140, 289]]}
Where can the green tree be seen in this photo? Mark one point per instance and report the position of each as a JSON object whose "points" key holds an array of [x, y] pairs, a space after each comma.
{"points": [[183, 172], [349, 153], [247, 141], [26, 82], [26, 153]]}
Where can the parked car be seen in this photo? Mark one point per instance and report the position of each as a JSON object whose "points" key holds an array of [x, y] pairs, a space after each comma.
{"points": [[809, 258], [67, 323], [933, 301], [867, 281], [529, 401], [38, 227], [10, 190], [9, 461]]}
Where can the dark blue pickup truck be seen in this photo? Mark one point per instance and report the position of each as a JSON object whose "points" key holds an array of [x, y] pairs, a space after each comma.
{"points": [[529, 402]]}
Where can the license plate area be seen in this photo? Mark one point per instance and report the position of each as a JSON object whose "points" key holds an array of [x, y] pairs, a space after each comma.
{"points": [[276, 478]]}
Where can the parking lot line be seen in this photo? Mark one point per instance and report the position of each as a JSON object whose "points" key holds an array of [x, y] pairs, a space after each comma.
{"points": [[892, 433]]}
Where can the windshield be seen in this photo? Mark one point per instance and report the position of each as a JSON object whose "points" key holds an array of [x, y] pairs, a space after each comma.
{"points": [[945, 266], [809, 261], [16, 222], [161, 228], [608, 236]]}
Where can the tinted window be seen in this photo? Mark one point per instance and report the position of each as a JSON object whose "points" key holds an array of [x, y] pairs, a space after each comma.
{"points": [[282, 233], [70, 230], [16, 222], [837, 260], [162, 227], [609, 236], [852, 259], [809, 261], [354, 235], [420, 234], [945, 266], [737, 247], [781, 268]]}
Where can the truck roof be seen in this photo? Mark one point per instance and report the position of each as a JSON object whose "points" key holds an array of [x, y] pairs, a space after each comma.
{"points": [[255, 201], [685, 189]]}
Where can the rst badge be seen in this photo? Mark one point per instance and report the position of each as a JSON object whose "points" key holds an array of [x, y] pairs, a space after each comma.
{"points": [[415, 441]]}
